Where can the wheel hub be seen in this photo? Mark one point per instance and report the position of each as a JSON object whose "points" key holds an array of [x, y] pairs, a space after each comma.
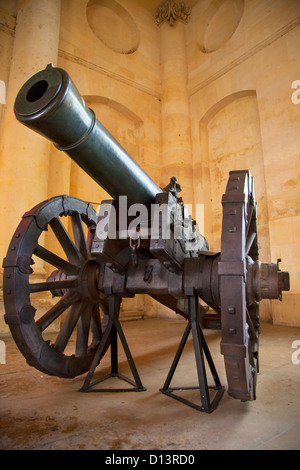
{"points": [[87, 281], [265, 281]]}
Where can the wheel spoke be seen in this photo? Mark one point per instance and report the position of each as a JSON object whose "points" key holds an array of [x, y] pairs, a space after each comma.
{"points": [[72, 253], [249, 243], [68, 326], [53, 285], [252, 359], [104, 306], [250, 213], [55, 260], [79, 236], [83, 329], [254, 315], [96, 324], [49, 317], [252, 332]]}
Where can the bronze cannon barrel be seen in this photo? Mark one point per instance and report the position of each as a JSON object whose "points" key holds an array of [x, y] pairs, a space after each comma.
{"points": [[50, 104]]}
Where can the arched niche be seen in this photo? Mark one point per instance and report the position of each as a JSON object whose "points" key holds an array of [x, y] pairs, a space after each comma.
{"points": [[230, 139], [127, 128]]}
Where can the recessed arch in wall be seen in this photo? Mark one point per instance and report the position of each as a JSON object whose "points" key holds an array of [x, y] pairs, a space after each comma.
{"points": [[128, 129], [130, 133], [119, 107], [113, 25], [230, 139], [125, 126], [225, 102], [219, 21]]}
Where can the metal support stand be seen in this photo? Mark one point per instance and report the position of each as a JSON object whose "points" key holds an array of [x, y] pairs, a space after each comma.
{"points": [[114, 329], [200, 345]]}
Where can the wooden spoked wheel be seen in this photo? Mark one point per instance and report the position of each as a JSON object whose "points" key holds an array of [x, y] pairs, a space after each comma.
{"points": [[239, 318], [73, 282]]}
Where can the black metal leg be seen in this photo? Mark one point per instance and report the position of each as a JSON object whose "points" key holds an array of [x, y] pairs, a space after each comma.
{"points": [[129, 358], [177, 357], [200, 346], [113, 329], [210, 360], [97, 357]]}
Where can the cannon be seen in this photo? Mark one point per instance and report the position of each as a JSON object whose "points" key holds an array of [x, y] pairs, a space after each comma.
{"points": [[116, 254]]}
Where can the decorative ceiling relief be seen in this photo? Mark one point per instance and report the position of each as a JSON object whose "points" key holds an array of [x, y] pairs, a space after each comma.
{"points": [[113, 25], [172, 11]]}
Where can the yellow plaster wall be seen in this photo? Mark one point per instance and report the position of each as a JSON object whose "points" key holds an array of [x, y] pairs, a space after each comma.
{"points": [[7, 27], [125, 99], [228, 107], [260, 59]]}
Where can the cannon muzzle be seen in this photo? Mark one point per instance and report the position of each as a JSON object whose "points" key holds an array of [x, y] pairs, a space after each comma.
{"points": [[50, 104]]}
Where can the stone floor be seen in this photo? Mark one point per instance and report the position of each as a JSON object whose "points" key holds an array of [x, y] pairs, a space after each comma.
{"points": [[42, 412]]}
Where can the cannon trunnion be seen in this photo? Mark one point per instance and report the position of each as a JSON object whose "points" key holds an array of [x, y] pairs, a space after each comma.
{"points": [[142, 241]]}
